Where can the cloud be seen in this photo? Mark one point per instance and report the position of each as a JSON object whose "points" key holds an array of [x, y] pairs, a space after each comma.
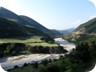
{"points": [[75, 22], [93, 1], [94, 16]]}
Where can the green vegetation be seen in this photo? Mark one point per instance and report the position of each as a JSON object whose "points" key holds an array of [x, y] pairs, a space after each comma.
{"points": [[10, 29], [19, 46], [90, 26], [40, 27], [85, 32], [42, 44], [32, 41], [27, 45], [91, 38]]}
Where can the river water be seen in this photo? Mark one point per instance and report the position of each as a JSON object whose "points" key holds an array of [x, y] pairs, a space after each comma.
{"points": [[10, 62], [67, 45]]}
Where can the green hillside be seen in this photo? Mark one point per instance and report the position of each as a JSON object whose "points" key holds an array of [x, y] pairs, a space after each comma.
{"points": [[84, 31], [40, 27], [12, 29], [5, 13], [26, 21], [90, 26]]}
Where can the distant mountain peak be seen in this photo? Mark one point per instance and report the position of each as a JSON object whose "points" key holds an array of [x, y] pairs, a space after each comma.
{"points": [[5, 10], [2, 8], [67, 31]]}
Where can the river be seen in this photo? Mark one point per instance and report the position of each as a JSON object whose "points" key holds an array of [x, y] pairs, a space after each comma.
{"points": [[67, 45], [10, 62]]}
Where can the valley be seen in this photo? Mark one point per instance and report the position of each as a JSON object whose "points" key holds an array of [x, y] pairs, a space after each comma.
{"points": [[28, 46]]}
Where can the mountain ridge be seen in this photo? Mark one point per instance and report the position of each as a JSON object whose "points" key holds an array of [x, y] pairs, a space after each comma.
{"points": [[67, 31], [88, 27], [12, 29], [85, 31], [26, 21]]}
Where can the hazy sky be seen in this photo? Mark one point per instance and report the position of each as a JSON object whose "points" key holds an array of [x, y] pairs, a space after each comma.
{"points": [[53, 14]]}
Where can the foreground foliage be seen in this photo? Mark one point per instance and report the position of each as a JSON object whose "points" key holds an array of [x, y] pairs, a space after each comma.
{"points": [[80, 60]]}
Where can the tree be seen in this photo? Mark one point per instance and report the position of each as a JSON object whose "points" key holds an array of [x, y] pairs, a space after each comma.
{"points": [[45, 62], [35, 65], [53, 68]]}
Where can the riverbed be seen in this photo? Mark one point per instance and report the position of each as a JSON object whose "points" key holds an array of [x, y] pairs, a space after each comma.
{"points": [[21, 60]]}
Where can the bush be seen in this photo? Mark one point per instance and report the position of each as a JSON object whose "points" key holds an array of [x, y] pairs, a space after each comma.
{"points": [[15, 67], [52, 68], [25, 65], [35, 65], [44, 62]]}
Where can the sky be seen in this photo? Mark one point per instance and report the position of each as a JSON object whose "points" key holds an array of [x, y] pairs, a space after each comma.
{"points": [[54, 14]]}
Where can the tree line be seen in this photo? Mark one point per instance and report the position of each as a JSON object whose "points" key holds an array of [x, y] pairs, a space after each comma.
{"points": [[14, 49]]}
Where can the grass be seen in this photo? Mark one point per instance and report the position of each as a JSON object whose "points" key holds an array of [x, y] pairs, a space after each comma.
{"points": [[21, 40], [42, 44], [32, 41]]}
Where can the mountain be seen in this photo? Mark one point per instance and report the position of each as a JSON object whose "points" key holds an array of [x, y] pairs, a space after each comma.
{"points": [[13, 29], [39, 26], [67, 31], [57, 33], [24, 20], [5, 13], [88, 27], [85, 31]]}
